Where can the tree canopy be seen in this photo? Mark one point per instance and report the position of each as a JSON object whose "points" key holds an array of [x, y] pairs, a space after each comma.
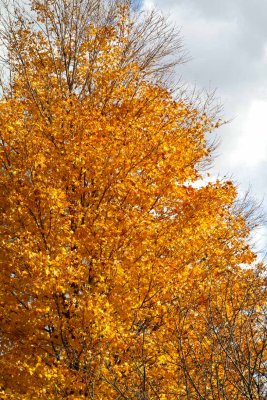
{"points": [[121, 278]]}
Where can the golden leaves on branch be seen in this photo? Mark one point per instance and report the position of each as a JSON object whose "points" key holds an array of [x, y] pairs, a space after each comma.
{"points": [[121, 277]]}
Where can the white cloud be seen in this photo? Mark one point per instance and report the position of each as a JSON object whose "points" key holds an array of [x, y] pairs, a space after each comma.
{"points": [[251, 148], [227, 41], [148, 4]]}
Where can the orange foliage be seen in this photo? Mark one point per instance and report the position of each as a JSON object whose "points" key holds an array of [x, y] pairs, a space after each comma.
{"points": [[120, 279]]}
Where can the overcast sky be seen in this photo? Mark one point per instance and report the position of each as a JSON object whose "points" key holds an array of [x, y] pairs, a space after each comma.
{"points": [[227, 43]]}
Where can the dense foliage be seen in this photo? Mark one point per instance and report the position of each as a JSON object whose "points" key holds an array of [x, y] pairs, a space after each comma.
{"points": [[120, 278]]}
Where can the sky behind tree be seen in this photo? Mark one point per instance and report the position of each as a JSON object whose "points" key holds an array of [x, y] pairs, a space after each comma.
{"points": [[227, 43]]}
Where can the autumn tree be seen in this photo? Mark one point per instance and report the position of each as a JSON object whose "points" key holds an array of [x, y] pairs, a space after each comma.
{"points": [[121, 278]]}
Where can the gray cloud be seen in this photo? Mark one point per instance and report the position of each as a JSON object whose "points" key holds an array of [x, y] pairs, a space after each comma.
{"points": [[227, 41]]}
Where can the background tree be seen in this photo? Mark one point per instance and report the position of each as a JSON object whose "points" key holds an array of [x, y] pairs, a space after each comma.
{"points": [[120, 278]]}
